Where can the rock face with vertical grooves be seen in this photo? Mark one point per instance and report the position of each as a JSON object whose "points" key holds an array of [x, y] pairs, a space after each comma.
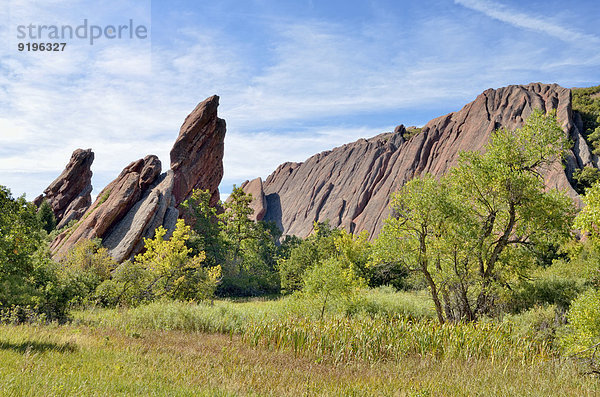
{"points": [[350, 185], [70, 194], [141, 199]]}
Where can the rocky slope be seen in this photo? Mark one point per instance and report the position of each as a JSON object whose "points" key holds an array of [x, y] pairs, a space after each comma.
{"points": [[350, 185], [70, 194], [142, 198]]}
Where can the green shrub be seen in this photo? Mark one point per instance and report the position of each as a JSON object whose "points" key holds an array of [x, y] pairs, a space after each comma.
{"points": [[584, 324], [164, 270], [46, 217], [542, 323]]}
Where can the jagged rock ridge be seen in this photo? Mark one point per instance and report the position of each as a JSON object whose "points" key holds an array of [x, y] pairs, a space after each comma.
{"points": [[69, 195], [350, 185], [142, 198]]}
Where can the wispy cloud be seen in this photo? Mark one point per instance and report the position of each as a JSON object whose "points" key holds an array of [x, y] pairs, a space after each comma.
{"points": [[526, 21], [305, 85]]}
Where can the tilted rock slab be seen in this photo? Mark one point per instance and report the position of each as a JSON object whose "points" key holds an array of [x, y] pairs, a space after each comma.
{"points": [[70, 194], [111, 205], [141, 199], [259, 201], [197, 155], [351, 185]]}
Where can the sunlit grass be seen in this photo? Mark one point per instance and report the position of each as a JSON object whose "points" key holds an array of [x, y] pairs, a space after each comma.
{"points": [[378, 344], [108, 362]]}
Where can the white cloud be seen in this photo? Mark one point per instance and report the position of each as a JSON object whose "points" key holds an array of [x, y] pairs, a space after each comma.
{"points": [[521, 20], [258, 154], [282, 100]]}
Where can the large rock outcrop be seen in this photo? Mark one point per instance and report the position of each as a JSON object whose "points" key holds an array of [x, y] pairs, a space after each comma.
{"points": [[70, 194], [197, 155], [350, 186], [141, 199]]}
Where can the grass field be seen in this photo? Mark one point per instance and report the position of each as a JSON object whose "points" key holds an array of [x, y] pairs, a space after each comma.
{"points": [[270, 348]]}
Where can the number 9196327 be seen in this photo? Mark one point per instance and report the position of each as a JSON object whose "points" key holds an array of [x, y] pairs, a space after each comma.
{"points": [[42, 46]]}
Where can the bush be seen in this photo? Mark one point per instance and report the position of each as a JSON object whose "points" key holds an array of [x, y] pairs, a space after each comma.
{"points": [[541, 323], [584, 324], [46, 217], [164, 270]]}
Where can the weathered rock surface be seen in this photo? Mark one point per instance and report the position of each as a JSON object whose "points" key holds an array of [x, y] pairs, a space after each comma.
{"points": [[259, 200], [70, 194], [197, 155], [141, 199], [155, 208], [112, 204], [350, 185]]}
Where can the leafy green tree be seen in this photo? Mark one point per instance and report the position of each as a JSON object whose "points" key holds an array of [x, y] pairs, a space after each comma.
{"points": [[317, 247], [165, 269], [471, 233], [46, 217], [330, 279], [246, 250], [354, 251], [505, 194], [236, 223], [250, 249], [411, 234], [30, 282], [204, 221], [20, 238]]}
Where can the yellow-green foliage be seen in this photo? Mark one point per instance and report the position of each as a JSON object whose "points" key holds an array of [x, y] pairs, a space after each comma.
{"points": [[588, 219], [584, 324], [165, 269], [175, 274]]}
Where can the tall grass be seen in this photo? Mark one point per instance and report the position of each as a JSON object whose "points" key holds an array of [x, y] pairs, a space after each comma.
{"points": [[232, 317], [67, 360], [346, 339], [379, 325]]}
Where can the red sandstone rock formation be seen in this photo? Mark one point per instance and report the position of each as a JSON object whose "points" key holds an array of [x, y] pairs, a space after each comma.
{"points": [[70, 194], [350, 185], [197, 155], [141, 199]]}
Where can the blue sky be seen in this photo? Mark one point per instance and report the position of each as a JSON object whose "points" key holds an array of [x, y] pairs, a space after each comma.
{"points": [[295, 77]]}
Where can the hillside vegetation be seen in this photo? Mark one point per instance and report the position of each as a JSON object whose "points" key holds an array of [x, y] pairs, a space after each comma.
{"points": [[477, 284]]}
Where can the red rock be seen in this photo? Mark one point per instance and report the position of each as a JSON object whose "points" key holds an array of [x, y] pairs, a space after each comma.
{"points": [[350, 185], [197, 155], [112, 204], [141, 199], [70, 194]]}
